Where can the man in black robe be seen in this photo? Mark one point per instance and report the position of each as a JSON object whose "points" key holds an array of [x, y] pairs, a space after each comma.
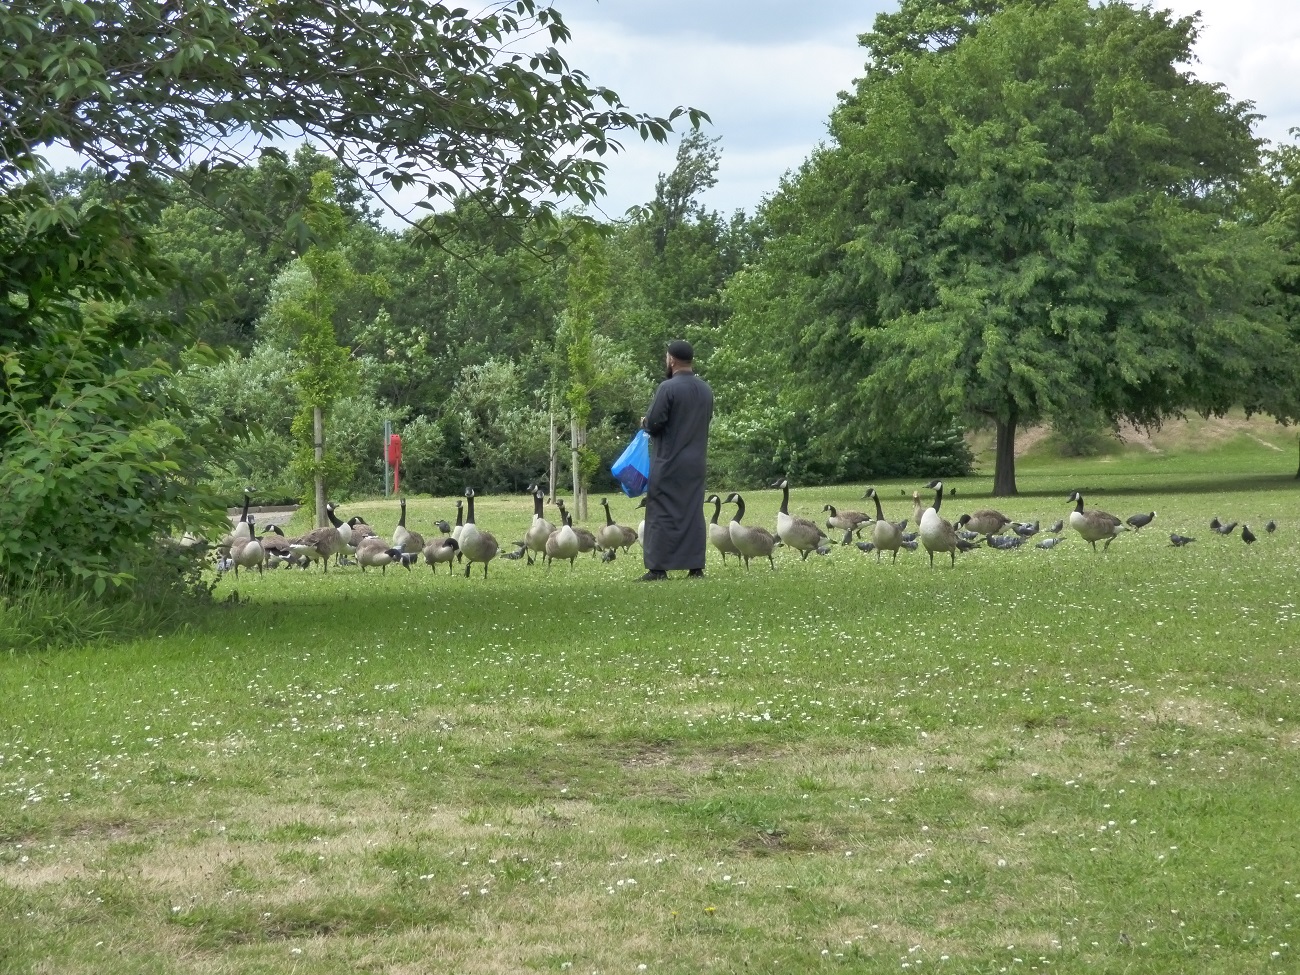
{"points": [[678, 424]]}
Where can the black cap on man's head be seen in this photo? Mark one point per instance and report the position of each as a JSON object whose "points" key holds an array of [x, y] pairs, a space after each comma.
{"points": [[681, 350]]}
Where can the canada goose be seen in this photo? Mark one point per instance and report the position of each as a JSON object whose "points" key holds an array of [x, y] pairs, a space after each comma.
{"points": [[1247, 535], [275, 544], [587, 541], [246, 550], [347, 544], [885, 536], [986, 521], [614, 535], [403, 538], [563, 542], [1094, 525], [918, 508], [439, 550], [1178, 541], [243, 527], [720, 535], [540, 530], [845, 521], [937, 533], [375, 551], [319, 543], [798, 533], [460, 524], [476, 545], [1137, 522], [640, 528], [751, 541]]}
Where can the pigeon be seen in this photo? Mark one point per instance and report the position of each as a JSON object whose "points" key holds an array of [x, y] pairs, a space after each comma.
{"points": [[965, 545], [1025, 529], [408, 558], [1247, 535], [1005, 542], [518, 553], [909, 537], [1214, 524], [1056, 528], [1049, 543], [909, 544], [1137, 522], [867, 546], [968, 536], [1271, 527], [1178, 541], [608, 555], [1227, 529]]}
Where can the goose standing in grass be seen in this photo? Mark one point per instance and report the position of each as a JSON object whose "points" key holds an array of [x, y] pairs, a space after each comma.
{"points": [[441, 549], [986, 521], [1094, 525], [614, 535], [918, 508], [563, 542], [799, 533], [751, 541], [845, 521], [640, 528], [937, 534], [411, 543], [346, 544], [246, 550], [720, 535], [885, 535], [274, 544], [243, 527], [476, 545], [540, 530], [374, 551], [587, 541], [319, 543]]}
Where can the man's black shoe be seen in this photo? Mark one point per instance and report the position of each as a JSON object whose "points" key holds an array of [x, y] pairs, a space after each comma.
{"points": [[695, 574], [654, 575]]}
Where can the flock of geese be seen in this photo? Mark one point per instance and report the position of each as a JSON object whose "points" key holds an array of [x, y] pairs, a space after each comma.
{"points": [[355, 542]]}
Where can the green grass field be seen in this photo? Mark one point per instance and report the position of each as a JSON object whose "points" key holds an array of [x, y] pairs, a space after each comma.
{"points": [[1037, 761]]}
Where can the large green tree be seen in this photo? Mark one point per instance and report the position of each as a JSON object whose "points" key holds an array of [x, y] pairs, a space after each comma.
{"points": [[405, 93], [1030, 206]]}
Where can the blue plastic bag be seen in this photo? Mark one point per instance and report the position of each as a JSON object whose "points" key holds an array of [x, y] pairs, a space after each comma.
{"points": [[632, 469]]}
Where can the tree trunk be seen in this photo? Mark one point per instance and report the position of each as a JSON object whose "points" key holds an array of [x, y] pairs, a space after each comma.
{"points": [[578, 438], [318, 428], [555, 453], [1004, 468], [1297, 470]]}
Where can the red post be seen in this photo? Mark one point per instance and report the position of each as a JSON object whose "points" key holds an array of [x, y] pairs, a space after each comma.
{"points": [[395, 457]]}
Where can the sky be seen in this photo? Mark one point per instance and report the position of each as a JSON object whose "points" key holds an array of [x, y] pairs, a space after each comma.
{"points": [[768, 73]]}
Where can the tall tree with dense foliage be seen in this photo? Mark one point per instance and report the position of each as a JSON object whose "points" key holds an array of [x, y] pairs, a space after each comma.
{"points": [[414, 94], [1029, 205]]}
